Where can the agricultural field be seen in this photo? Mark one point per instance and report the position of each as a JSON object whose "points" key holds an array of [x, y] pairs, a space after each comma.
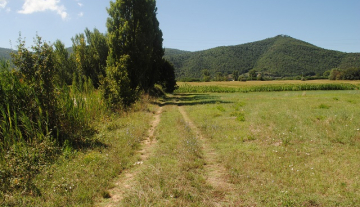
{"points": [[265, 86], [257, 83]]}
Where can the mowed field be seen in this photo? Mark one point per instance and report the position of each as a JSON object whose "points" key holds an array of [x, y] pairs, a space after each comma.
{"points": [[252, 149]]}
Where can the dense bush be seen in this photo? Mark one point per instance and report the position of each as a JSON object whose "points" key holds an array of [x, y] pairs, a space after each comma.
{"points": [[38, 116], [346, 74]]}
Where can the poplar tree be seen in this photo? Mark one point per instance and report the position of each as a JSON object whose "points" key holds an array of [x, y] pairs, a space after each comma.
{"points": [[133, 30], [90, 51]]}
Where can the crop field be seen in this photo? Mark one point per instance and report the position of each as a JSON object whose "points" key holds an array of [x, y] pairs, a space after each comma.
{"points": [[265, 86], [255, 83]]}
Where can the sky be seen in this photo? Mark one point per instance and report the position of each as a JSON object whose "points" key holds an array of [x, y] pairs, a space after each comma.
{"points": [[193, 25]]}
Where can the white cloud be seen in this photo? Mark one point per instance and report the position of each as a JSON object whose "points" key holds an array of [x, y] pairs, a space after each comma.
{"points": [[80, 4], [32, 6], [3, 4], [81, 14], [8, 10]]}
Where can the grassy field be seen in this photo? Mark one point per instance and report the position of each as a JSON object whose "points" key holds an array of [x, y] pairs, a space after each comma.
{"points": [[271, 149], [291, 148], [285, 148]]}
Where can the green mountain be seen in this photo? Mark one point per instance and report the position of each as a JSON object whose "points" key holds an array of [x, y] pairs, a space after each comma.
{"points": [[278, 56], [5, 53]]}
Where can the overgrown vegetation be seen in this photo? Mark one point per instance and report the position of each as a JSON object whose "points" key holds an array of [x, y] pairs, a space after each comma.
{"points": [[49, 99], [39, 117]]}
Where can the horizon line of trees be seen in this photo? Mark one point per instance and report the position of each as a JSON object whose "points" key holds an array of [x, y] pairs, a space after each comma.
{"points": [[352, 73]]}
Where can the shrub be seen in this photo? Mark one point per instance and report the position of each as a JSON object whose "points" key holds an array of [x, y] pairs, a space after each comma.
{"points": [[116, 86]]}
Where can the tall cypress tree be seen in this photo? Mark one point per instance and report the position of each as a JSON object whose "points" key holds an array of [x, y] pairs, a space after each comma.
{"points": [[133, 30]]}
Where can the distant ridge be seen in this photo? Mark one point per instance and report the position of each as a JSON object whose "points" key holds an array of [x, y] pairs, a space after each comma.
{"points": [[278, 56], [5, 53]]}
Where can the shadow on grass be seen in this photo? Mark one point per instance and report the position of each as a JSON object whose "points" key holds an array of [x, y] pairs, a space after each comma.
{"points": [[192, 99]]}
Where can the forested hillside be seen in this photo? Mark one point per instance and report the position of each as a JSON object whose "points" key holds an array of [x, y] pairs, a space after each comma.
{"points": [[278, 57], [5, 53]]}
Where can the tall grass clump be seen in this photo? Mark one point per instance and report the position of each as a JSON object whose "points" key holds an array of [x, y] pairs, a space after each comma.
{"points": [[38, 116]]}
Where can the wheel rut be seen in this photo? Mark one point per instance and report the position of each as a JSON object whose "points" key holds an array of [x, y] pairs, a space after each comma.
{"points": [[216, 172], [125, 181]]}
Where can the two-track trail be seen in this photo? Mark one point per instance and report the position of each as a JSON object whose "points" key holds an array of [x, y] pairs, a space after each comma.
{"points": [[216, 172], [221, 193], [125, 181]]}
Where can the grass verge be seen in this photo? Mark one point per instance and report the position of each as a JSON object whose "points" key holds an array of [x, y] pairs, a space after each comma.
{"points": [[80, 176]]}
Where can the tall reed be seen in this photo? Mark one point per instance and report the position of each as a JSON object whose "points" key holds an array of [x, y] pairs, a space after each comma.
{"points": [[28, 139]]}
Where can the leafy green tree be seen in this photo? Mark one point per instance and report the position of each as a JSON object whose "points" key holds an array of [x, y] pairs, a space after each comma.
{"points": [[335, 74], [37, 70], [351, 74], [167, 77], [206, 75], [219, 76], [133, 30], [116, 86], [252, 73], [64, 63], [91, 51], [236, 75], [259, 77], [326, 73]]}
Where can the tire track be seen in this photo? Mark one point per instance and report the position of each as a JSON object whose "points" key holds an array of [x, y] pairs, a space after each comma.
{"points": [[216, 172], [126, 179]]}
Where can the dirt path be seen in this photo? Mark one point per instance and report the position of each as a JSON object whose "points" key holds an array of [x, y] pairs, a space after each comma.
{"points": [[217, 176], [125, 180]]}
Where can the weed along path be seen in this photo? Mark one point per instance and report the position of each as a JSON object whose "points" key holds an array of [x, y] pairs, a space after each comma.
{"points": [[125, 181], [216, 172]]}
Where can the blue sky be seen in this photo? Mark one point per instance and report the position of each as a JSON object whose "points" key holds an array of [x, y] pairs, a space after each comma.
{"points": [[194, 24]]}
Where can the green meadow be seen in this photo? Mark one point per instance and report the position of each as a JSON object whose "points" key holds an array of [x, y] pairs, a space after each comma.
{"points": [[253, 149], [284, 148], [279, 148]]}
